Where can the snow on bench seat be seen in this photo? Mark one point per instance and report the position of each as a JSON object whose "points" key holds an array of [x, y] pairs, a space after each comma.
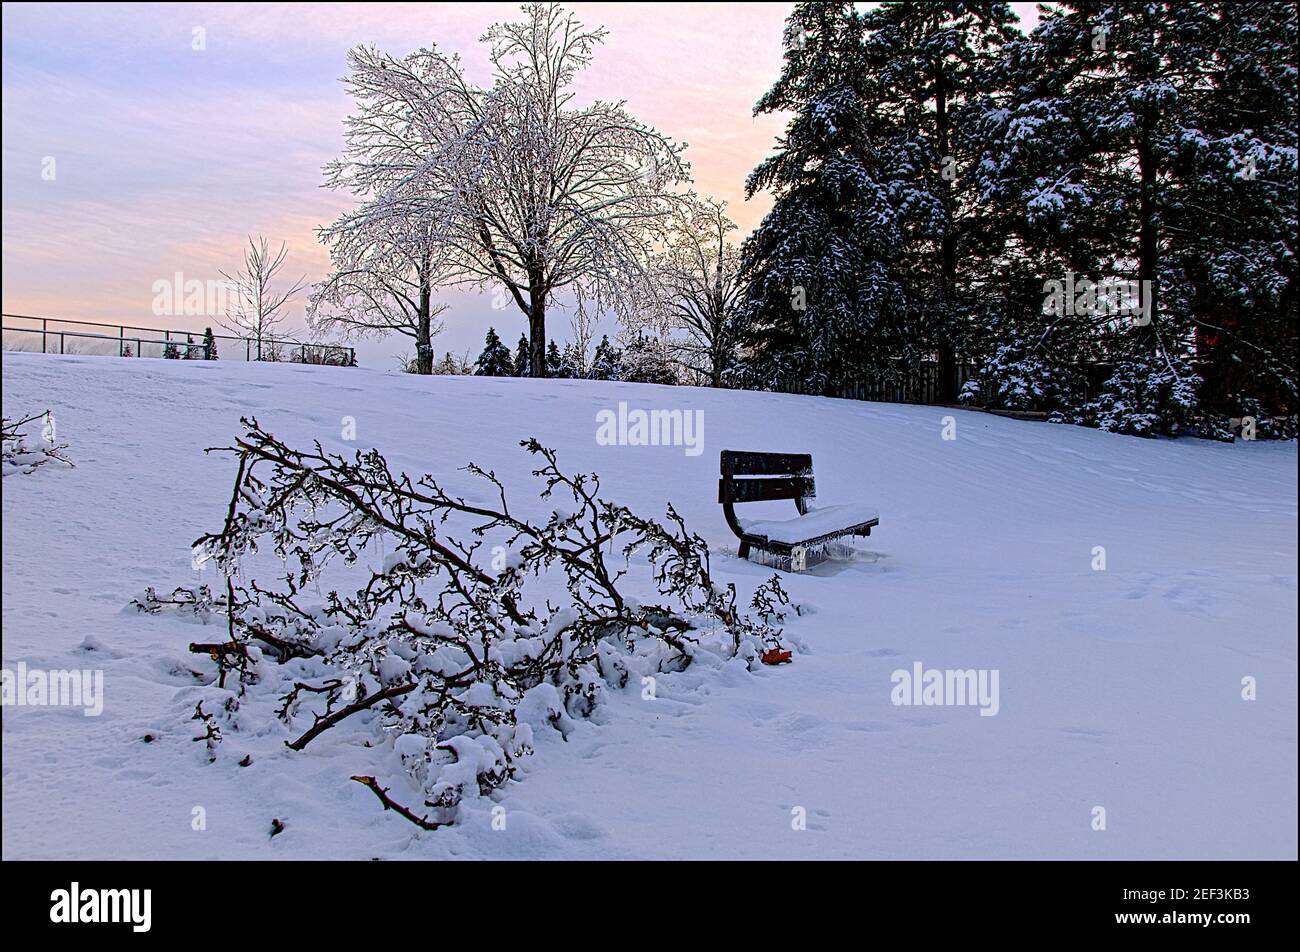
{"points": [[815, 524]]}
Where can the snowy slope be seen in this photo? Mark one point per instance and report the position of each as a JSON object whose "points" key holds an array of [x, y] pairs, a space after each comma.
{"points": [[1118, 688]]}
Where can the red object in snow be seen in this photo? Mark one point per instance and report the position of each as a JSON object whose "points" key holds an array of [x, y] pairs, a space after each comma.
{"points": [[776, 656]]}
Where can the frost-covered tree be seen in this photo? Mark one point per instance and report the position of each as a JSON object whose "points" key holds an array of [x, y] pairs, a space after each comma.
{"points": [[209, 344], [696, 278], [451, 366], [529, 192], [257, 307], [572, 362], [647, 358], [383, 271], [495, 360]]}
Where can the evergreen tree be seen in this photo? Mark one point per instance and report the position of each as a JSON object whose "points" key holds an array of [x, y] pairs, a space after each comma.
{"points": [[495, 361], [209, 344], [521, 357], [645, 359], [606, 362], [571, 362], [1232, 232], [823, 295], [934, 62], [171, 351], [554, 362], [1154, 143]]}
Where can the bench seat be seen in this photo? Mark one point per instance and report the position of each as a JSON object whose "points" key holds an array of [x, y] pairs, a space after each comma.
{"points": [[796, 543], [813, 526]]}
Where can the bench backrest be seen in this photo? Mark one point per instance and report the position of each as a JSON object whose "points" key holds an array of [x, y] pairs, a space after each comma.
{"points": [[761, 477]]}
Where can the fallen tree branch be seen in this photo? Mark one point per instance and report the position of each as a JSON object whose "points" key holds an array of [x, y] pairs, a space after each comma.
{"points": [[325, 723], [444, 652], [389, 803]]}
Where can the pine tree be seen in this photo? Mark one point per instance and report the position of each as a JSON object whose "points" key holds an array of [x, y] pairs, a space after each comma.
{"points": [[521, 357], [824, 300], [934, 62], [607, 361], [495, 361], [209, 344], [1233, 230], [571, 362], [171, 351], [554, 362], [1154, 143]]}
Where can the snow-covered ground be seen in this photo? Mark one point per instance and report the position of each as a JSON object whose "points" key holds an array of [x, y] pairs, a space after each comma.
{"points": [[1119, 689]]}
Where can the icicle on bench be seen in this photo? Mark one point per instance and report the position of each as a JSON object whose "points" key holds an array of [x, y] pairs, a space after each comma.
{"points": [[789, 544]]}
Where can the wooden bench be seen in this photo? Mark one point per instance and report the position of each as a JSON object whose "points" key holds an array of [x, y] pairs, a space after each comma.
{"points": [[791, 544]]}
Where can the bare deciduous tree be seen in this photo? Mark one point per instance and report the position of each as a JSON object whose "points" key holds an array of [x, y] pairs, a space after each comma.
{"points": [[529, 192], [381, 282], [695, 278], [257, 308]]}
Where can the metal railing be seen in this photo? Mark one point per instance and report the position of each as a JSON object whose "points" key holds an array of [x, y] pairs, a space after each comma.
{"points": [[51, 335]]}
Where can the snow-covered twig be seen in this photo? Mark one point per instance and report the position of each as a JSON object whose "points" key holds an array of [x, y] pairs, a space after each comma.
{"points": [[20, 456]]}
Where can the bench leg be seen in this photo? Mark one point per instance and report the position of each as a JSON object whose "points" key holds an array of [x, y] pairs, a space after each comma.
{"points": [[744, 550]]}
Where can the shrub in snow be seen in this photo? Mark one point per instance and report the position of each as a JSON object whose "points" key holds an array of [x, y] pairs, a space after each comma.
{"points": [[23, 453], [1151, 394], [1021, 373], [460, 644]]}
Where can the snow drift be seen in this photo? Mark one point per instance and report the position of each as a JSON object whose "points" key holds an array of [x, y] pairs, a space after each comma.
{"points": [[1130, 596]]}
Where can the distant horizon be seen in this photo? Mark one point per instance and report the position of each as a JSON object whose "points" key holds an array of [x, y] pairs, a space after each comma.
{"points": [[165, 157]]}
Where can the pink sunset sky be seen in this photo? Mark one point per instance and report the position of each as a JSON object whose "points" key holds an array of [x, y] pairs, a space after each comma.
{"points": [[165, 157]]}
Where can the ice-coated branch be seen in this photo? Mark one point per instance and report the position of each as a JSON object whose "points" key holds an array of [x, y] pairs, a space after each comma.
{"points": [[459, 626]]}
